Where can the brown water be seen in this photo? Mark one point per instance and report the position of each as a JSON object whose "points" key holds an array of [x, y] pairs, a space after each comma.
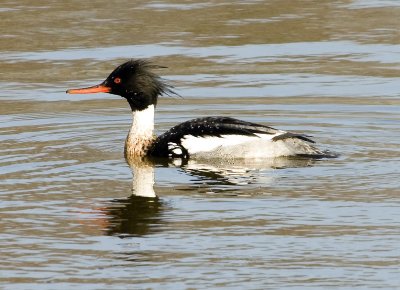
{"points": [[68, 219]]}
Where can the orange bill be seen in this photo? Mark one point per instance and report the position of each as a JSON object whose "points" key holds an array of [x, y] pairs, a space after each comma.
{"points": [[90, 90]]}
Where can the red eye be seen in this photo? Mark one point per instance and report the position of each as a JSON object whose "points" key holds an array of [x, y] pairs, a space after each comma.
{"points": [[117, 80]]}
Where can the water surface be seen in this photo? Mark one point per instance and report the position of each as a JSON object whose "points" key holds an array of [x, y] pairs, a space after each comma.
{"points": [[69, 217]]}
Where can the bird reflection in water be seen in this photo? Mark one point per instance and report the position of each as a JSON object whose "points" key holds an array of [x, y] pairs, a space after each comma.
{"points": [[141, 213], [228, 172]]}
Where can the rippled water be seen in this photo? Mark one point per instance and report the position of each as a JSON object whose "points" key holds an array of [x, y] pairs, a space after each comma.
{"points": [[70, 217]]}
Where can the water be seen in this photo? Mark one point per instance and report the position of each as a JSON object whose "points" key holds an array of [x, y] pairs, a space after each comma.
{"points": [[68, 218]]}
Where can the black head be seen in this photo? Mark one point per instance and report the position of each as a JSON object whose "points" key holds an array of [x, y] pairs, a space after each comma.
{"points": [[135, 81]]}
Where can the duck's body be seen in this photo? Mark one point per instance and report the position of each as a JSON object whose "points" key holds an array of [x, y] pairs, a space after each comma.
{"points": [[223, 137], [209, 137]]}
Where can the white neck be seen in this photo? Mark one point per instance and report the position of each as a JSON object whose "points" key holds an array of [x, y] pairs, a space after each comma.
{"points": [[140, 135], [143, 122]]}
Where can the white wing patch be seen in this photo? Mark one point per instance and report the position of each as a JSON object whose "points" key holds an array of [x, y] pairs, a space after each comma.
{"points": [[177, 151], [174, 149], [210, 143]]}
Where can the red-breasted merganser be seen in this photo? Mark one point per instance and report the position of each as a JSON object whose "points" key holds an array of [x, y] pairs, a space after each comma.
{"points": [[208, 137]]}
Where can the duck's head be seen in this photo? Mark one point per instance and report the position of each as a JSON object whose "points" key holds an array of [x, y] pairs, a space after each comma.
{"points": [[134, 81]]}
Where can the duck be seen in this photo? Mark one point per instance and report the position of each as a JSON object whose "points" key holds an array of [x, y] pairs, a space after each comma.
{"points": [[203, 137]]}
